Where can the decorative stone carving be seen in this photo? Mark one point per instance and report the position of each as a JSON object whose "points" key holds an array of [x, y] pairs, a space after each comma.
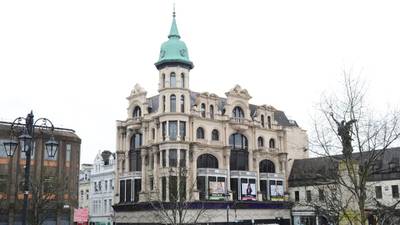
{"points": [[238, 91], [138, 90]]}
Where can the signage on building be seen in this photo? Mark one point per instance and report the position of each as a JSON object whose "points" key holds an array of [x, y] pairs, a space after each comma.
{"points": [[248, 191], [277, 193], [81, 215], [217, 190]]}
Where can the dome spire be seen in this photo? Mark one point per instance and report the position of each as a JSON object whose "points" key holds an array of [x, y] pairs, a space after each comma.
{"points": [[173, 33]]}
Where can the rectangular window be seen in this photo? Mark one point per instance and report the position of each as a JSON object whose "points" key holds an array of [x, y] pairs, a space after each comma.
{"points": [[105, 206], [182, 129], [173, 129], [296, 196], [378, 192], [153, 133], [321, 194], [105, 185], [182, 187], [308, 196], [234, 188], [138, 188], [164, 130], [164, 160], [182, 158], [173, 194], [122, 191], [68, 152], [395, 191], [128, 191], [99, 185], [110, 204], [151, 183], [201, 186], [173, 157], [163, 189], [263, 189]]}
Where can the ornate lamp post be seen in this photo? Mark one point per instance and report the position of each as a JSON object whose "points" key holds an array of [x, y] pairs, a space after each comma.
{"points": [[25, 128]]}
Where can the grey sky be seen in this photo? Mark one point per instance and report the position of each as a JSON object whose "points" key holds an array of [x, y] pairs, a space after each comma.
{"points": [[76, 61]]}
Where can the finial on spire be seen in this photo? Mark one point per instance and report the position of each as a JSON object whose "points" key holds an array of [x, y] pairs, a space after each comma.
{"points": [[174, 13]]}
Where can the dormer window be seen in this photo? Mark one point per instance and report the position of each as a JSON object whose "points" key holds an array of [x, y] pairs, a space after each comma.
{"points": [[172, 80], [137, 112], [237, 112], [203, 110]]}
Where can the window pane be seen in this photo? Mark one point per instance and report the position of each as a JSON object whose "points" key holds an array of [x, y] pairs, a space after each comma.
{"points": [[182, 129], [201, 186], [172, 130], [163, 188], [234, 188], [182, 161], [122, 191], [173, 158], [172, 103], [172, 80], [128, 190], [173, 189], [138, 188]]}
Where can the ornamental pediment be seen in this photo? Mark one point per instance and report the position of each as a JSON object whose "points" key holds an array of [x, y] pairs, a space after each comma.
{"points": [[138, 90], [238, 91]]}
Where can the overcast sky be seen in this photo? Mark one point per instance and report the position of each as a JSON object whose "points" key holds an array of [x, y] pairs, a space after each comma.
{"points": [[75, 62]]}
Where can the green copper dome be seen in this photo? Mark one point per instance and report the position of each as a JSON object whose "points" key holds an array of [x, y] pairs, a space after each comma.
{"points": [[174, 51]]}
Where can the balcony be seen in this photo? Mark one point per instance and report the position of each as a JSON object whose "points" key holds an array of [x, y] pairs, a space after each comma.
{"points": [[239, 123], [134, 123]]}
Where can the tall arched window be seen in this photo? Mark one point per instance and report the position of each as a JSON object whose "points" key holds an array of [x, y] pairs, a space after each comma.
{"points": [[207, 161], [239, 154], [272, 143], [215, 135], [200, 133], [172, 80], [163, 103], [182, 104], [163, 80], [267, 166], [260, 142], [172, 103], [137, 112], [203, 110], [269, 122], [262, 121], [238, 112], [211, 111], [183, 80], [135, 160]]}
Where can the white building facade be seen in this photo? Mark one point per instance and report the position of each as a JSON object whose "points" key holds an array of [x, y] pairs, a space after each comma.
{"points": [[84, 185], [102, 183], [224, 153]]}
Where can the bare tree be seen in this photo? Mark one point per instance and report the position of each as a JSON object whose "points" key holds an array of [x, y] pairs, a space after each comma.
{"points": [[348, 126], [181, 207], [44, 201]]}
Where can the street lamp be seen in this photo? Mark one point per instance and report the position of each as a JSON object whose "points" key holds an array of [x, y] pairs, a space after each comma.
{"points": [[26, 128]]}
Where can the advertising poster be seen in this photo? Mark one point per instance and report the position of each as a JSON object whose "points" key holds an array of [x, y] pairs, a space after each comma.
{"points": [[248, 191], [216, 190], [277, 193]]}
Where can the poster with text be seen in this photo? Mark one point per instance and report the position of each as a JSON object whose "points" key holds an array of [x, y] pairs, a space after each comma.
{"points": [[216, 190]]}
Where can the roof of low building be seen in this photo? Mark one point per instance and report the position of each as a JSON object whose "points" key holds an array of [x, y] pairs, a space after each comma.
{"points": [[320, 170]]}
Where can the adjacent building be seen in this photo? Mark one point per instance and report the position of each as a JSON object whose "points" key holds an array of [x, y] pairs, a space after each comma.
{"points": [[56, 178], [84, 185], [312, 181], [102, 183], [222, 155]]}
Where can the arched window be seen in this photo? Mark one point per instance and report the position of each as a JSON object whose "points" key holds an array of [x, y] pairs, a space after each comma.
{"points": [[163, 80], [182, 80], [172, 80], [163, 103], [239, 154], [200, 133], [267, 166], [238, 112], [211, 111], [172, 103], [207, 161], [262, 121], [260, 142], [137, 112], [203, 110], [182, 103], [135, 160], [269, 122], [272, 143], [215, 135]]}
